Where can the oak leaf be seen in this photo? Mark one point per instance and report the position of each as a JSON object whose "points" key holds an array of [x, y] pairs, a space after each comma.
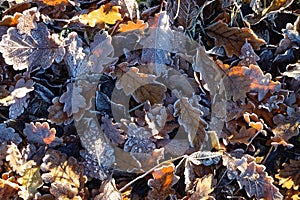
{"points": [[100, 16], [289, 176], [110, 192], [28, 51], [132, 26], [163, 180], [189, 118], [54, 2], [56, 113], [112, 130], [40, 133], [203, 188], [27, 21], [9, 134], [233, 38], [248, 55], [10, 20]]}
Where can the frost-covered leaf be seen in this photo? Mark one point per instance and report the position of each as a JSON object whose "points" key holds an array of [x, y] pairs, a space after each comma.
{"points": [[101, 16], [62, 169], [9, 20], [293, 70], [243, 136], [156, 118], [56, 113], [286, 126], [163, 180], [8, 190], [289, 176], [142, 86], [187, 14], [102, 53], [248, 55], [233, 38], [203, 188], [41, 133], [112, 130], [64, 191], [190, 118], [30, 182], [18, 161], [27, 21], [28, 51], [74, 53], [241, 80], [110, 192], [72, 99], [157, 44], [9, 134]]}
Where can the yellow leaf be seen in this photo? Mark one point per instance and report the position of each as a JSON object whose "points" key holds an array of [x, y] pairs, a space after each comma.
{"points": [[54, 2], [131, 26], [100, 16]]}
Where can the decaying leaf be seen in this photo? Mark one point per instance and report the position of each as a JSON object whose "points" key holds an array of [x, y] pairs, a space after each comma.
{"points": [[56, 113], [54, 2], [30, 182], [156, 118], [10, 20], [40, 133], [161, 184], [142, 86], [18, 161], [157, 44], [289, 176], [241, 80], [62, 191], [100, 16], [233, 38], [248, 55], [29, 51], [112, 130], [286, 126], [190, 118], [110, 192], [132, 26], [27, 21], [62, 170], [8, 190], [203, 188], [9, 134]]}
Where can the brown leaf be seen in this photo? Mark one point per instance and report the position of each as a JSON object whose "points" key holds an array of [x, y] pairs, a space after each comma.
{"points": [[286, 126], [289, 176], [142, 86], [132, 26], [56, 113], [64, 191], [27, 21], [112, 130], [163, 180], [233, 38], [101, 15], [190, 118], [244, 135], [241, 80], [8, 20], [40, 133], [203, 188], [110, 192], [54, 2], [62, 169], [188, 12], [8, 190], [37, 49], [248, 55]]}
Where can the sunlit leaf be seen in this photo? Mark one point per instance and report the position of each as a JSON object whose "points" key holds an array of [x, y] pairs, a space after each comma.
{"points": [[233, 38], [54, 2], [131, 26], [100, 16], [289, 176], [203, 188]]}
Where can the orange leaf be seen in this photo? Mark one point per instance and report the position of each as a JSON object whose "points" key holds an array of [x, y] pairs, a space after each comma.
{"points": [[100, 16], [10, 20], [131, 26], [54, 2], [233, 38]]}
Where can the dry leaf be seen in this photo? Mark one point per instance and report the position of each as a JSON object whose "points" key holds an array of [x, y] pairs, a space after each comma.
{"points": [[243, 136], [41, 133], [30, 182], [54, 2], [277, 5], [64, 191], [8, 134], [27, 21], [8, 190], [233, 38], [203, 188], [163, 180], [110, 192], [189, 118], [289, 176], [101, 16], [157, 43], [112, 130], [37, 49], [132, 26], [187, 14], [62, 169], [10, 20], [241, 80], [248, 55], [56, 113], [18, 161]]}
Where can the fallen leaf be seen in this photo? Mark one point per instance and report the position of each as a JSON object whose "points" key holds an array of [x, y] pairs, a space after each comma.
{"points": [[10, 20], [27, 21], [248, 55], [188, 13], [54, 2], [161, 184], [233, 38], [40, 133], [8, 134], [56, 113], [100, 16], [289, 176], [110, 192], [112, 130], [203, 188], [37, 49], [132, 26]]}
